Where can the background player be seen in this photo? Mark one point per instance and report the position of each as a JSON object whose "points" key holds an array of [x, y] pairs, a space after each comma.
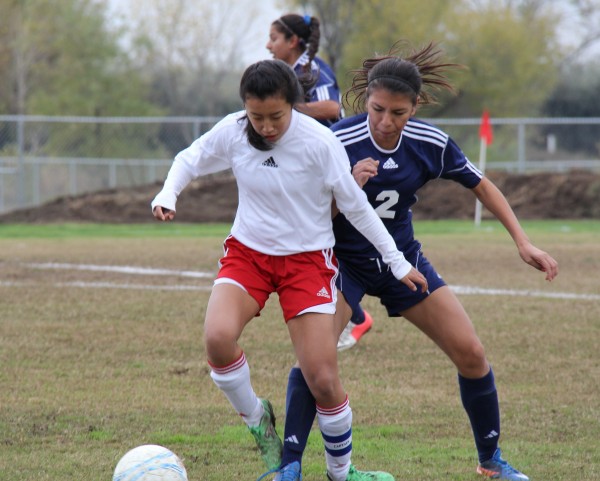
{"points": [[295, 40], [393, 155]]}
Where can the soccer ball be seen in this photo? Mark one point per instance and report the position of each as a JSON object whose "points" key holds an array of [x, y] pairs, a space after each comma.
{"points": [[150, 462]]}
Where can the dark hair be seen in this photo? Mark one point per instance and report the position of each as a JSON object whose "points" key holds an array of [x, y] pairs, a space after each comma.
{"points": [[268, 78], [308, 30], [409, 75]]}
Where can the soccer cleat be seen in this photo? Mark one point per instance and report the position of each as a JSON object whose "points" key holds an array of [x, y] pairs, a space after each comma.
{"points": [[356, 475], [353, 332], [290, 472], [266, 437], [498, 468]]}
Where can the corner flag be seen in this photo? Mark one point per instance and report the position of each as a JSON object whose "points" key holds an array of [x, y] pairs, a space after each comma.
{"points": [[486, 135], [485, 128]]}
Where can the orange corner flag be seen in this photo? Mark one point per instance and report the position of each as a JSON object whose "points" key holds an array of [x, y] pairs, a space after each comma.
{"points": [[485, 129]]}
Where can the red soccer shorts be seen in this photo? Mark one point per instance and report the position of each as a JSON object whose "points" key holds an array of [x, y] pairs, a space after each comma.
{"points": [[304, 282]]}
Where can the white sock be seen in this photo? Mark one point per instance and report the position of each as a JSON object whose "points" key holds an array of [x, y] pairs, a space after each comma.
{"points": [[336, 429], [234, 381]]}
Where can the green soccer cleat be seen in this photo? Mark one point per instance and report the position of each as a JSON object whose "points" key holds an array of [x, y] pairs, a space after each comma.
{"points": [[498, 468], [356, 475], [266, 437]]}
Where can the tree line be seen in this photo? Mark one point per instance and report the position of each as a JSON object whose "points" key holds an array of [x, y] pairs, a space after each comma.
{"points": [[184, 57]]}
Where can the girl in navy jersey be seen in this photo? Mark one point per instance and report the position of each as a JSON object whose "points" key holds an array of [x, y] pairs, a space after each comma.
{"points": [[392, 155], [295, 40], [281, 241]]}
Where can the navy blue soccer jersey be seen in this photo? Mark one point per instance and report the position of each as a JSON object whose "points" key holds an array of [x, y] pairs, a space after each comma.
{"points": [[423, 153], [326, 87]]}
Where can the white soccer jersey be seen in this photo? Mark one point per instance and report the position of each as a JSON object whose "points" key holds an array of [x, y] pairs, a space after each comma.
{"points": [[285, 193]]}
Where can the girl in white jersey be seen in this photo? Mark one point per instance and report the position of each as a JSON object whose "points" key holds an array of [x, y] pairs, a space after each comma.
{"points": [[281, 241], [393, 155]]}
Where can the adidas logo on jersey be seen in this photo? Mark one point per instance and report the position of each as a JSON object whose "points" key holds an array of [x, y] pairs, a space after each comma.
{"points": [[390, 164], [323, 293], [270, 162]]}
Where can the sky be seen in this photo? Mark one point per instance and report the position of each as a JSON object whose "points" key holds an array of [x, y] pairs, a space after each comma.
{"points": [[254, 47]]}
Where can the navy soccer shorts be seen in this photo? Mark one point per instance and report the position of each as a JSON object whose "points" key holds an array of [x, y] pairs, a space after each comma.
{"points": [[362, 275]]}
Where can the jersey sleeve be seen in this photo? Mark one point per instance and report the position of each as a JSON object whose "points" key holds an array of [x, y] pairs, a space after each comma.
{"points": [[457, 167], [353, 203], [206, 155], [326, 87]]}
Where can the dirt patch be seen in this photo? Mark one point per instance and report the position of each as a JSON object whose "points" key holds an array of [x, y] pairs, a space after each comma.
{"points": [[571, 195]]}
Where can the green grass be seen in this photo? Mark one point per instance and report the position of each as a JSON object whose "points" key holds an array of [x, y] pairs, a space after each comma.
{"points": [[87, 373], [84, 230], [178, 229]]}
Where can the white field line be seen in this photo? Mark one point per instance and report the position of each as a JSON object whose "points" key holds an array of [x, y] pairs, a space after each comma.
{"points": [[471, 290], [461, 290], [110, 285], [144, 271]]}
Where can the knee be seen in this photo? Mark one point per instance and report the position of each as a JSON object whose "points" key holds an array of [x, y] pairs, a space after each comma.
{"points": [[324, 384], [471, 360], [220, 345]]}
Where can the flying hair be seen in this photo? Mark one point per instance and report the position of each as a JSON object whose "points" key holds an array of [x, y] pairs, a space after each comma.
{"points": [[419, 74]]}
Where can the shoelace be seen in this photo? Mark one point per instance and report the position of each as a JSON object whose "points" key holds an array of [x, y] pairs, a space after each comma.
{"points": [[290, 475], [506, 466], [270, 471], [287, 474]]}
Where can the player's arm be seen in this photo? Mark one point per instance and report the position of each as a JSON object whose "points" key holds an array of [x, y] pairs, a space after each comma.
{"points": [[320, 109], [362, 171], [493, 199]]}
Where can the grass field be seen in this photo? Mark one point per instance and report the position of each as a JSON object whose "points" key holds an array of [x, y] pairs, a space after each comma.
{"points": [[101, 350]]}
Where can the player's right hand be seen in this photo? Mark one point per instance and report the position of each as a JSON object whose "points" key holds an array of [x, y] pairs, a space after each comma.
{"points": [[163, 214], [414, 278]]}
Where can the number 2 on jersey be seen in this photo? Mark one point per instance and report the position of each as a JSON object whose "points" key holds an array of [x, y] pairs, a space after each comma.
{"points": [[390, 199]]}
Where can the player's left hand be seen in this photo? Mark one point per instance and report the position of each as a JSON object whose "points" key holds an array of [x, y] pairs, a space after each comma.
{"points": [[539, 259], [414, 279], [363, 170]]}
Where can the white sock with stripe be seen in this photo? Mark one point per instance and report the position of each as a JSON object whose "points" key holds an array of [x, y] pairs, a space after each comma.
{"points": [[336, 429], [234, 381]]}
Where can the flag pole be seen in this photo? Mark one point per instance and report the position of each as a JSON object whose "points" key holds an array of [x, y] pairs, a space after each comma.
{"points": [[482, 160], [486, 135]]}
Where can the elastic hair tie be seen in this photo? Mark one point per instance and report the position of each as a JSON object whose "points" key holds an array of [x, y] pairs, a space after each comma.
{"points": [[397, 79], [307, 19]]}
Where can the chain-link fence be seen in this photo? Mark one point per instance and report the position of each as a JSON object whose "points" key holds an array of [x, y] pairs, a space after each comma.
{"points": [[42, 158]]}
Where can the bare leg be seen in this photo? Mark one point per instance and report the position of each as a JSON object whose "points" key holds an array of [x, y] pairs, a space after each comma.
{"points": [[315, 339], [229, 310], [441, 317], [301, 402]]}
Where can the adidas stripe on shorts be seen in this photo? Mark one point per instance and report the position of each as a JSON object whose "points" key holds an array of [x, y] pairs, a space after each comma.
{"points": [[304, 282]]}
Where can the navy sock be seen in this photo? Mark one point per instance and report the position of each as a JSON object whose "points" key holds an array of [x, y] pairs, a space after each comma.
{"points": [[300, 409], [358, 315], [480, 400]]}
